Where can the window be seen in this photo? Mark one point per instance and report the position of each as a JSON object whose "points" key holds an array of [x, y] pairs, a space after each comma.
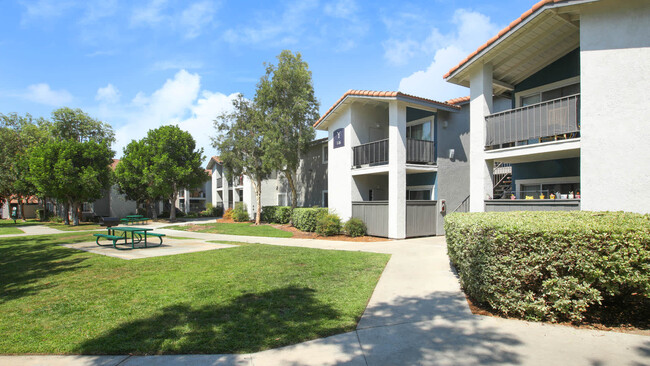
{"points": [[418, 194], [282, 199], [324, 199], [325, 153], [546, 95], [420, 131], [370, 195]]}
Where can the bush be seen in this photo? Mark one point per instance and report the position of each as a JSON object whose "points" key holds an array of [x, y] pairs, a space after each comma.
{"points": [[552, 266], [328, 225], [306, 219], [165, 214], [228, 214], [240, 214], [42, 214], [354, 227], [276, 214]]}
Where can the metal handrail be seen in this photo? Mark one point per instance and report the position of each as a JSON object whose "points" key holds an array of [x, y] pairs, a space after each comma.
{"points": [[557, 117], [464, 204]]}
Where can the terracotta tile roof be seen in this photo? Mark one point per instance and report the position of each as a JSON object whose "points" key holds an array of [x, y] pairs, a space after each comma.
{"points": [[217, 159], [458, 100], [30, 200], [209, 172], [377, 94], [502, 32], [114, 163]]}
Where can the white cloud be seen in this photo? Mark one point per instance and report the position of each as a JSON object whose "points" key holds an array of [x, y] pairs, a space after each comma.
{"points": [[345, 9], [150, 14], [44, 9], [472, 30], [108, 94], [196, 17], [177, 64], [275, 30], [42, 93], [179, 100]]}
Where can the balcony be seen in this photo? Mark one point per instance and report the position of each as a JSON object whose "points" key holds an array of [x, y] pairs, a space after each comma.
{"points": [[557, 119], [376, 153]]}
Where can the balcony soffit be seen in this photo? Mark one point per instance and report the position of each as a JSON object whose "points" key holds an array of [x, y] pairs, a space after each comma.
{"points": [[536, 44]]}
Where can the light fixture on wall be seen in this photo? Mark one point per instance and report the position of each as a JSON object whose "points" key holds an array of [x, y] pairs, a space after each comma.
{"points": [[451, 154], [445, 124]]}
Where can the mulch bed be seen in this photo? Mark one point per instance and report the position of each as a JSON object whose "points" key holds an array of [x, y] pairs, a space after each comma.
{"points": [[297, 234]]}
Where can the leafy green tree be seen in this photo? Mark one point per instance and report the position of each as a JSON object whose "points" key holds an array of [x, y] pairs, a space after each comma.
{"points": [[240, 141], [285, 95], [77, 125], [18, 134], [176, 163], [72, 172], [135, 177]]}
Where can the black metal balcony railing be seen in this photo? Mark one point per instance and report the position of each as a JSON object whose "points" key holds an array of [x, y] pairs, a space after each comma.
{"points": [[546, 121], [376, 152], [420, 151], [373, 153]]}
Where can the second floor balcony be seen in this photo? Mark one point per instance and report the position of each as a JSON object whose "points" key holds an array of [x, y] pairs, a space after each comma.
{"points": [[376, 153], [557, 119]]}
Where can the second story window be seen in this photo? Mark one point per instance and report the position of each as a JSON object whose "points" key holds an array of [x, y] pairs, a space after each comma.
{"points": [[420, 131], [325, 153]]}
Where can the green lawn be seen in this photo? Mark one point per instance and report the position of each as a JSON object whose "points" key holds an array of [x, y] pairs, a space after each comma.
{"points": [[243, 228], [56, 225], [245, 299], [5, 230]]}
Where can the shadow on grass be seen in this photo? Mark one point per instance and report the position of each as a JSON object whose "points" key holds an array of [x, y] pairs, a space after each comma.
{"points": [[249, 323], [26, 260]]}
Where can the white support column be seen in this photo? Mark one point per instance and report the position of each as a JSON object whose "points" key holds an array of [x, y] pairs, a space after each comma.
{"points": [[249, 197], [396, 171], [187, 201], [226, 189], [480, 170], [213, 186]]}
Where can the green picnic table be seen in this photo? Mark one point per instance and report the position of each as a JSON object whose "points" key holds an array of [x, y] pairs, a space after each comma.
{"points": [[138, 235], [132, 219]]}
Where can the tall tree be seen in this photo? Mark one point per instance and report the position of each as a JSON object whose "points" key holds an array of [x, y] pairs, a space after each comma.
{"points": [[77, 125], [286, 97], [240, 141], [72, 172], [18, 134], [176, 163], [135, 177]]}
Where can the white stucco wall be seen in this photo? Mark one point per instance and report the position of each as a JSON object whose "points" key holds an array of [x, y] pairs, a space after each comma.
{"points": [[339, 178], [615, 123]]}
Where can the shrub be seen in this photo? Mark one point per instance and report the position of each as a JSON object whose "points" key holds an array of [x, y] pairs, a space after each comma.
{"points": [[240, 214], [328, 225], [551, 266], [276, 214], [306, 219], [354, 227], [42, 214], [228, 214]]}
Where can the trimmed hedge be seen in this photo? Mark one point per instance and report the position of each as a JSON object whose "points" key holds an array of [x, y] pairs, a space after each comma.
{"points": [[276, 214], [354, 227], [306, 219], [550, 266], [328, 225]]}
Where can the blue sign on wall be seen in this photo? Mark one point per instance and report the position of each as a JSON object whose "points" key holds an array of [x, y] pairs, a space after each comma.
{"points": [[339, 138]]}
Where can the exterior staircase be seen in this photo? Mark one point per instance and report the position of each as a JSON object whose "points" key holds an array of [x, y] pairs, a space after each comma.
{"points": [[501, 180]]}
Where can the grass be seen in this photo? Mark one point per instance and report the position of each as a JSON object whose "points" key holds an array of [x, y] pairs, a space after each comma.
{"points": [[248, 298], [243, 228], [6, 230]]}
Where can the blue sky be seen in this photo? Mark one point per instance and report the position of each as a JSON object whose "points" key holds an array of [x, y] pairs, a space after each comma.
{"points": [[141, 64]]}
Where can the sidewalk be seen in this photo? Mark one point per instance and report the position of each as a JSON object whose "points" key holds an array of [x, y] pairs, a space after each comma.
{"points": [[417, 315]]}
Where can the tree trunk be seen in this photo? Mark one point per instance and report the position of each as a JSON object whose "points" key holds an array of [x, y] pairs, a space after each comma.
{"points": [[21, 203], [294, 194], [258, 197], [172, 201], [75, 214], [66, 216]]}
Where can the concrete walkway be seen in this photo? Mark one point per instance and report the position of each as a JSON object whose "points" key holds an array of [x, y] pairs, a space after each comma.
{"points": [[417, 315]]}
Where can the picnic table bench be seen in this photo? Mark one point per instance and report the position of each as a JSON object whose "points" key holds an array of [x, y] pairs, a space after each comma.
{"points": [[132, 219], [138, 235]]}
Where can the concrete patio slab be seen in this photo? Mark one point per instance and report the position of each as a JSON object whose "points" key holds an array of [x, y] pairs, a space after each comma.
{"points": [[34, 360], [342, 349], [189, 360], [169, 247]]}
